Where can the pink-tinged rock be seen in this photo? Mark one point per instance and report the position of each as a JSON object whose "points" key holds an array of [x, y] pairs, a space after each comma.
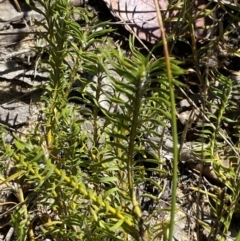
{"points": [[141, 17], [78, 3]]}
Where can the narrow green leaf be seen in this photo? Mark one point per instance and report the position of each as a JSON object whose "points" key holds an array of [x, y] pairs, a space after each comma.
{"points": [[19, 145], [108, 179], [13, 177], [117, 225], [110, 192]]}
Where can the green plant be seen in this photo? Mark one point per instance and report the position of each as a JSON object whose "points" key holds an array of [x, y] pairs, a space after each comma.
{"points": [[222, 157], [218, 115], [83, 166]]}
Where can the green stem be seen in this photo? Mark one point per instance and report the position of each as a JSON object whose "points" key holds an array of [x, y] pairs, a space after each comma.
{"points": [[133, 131], [174, 121]]}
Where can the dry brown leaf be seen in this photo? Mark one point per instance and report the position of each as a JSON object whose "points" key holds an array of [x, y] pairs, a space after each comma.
{"points": [[141, 17]]}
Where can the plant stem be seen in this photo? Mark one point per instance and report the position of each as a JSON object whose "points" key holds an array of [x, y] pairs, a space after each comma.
{"points": [[173, 120]]}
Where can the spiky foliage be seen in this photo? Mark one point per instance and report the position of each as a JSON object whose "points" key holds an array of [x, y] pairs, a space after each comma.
{"points": [[220, 151], [84, 166], [218, 142]]}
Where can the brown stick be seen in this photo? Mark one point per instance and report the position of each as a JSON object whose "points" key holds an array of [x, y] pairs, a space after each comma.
{"points": [[17, 5]]}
